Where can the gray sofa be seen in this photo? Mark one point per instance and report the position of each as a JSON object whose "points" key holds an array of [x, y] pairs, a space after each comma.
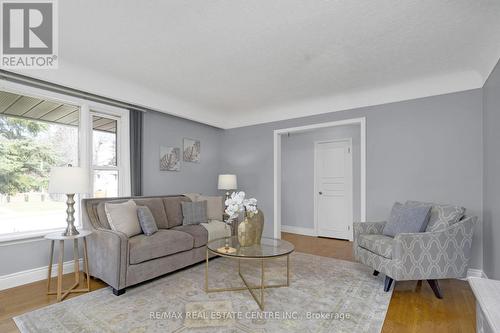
{"points": [[440, 254], [121, 261]]}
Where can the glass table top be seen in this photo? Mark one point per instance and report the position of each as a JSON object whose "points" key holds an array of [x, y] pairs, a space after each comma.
{"points": [[268, 247]]}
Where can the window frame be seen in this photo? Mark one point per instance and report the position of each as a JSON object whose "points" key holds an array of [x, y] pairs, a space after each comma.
{"points": [[84, 148]]}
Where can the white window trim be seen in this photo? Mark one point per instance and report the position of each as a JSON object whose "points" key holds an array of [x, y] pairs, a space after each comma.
{"points": [[84, 146], [123, 151]]}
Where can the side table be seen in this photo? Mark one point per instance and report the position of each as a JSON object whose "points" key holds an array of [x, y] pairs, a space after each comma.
{"points": [[61, 294]]}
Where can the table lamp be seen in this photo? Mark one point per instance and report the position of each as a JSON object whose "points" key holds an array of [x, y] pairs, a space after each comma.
{"points": [[69, 180], [227, 183]]}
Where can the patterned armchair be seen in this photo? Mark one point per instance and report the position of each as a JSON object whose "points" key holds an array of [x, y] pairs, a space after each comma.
{"points": [[430, 255]]}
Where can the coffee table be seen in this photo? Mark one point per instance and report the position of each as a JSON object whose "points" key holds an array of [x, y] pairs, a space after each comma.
{"points": [[268, 249]]}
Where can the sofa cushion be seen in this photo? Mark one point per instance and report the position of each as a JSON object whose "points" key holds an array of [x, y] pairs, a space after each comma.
{"points": [[194, 212], [407, 219], [123, 217], [146, 220], [199, 233], [173, 210], [376, 243], [156, 207], [442, 216], [162, 243], [215, 206]]}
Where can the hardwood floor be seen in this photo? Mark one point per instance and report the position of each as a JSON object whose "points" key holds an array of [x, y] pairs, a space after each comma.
{"points": [[413, 307]]}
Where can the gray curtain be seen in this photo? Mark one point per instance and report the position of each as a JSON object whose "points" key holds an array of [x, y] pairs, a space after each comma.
{"points": [[136, 151]]}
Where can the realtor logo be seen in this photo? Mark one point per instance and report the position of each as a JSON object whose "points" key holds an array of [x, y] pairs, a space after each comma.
{"points": [[29, 34]]}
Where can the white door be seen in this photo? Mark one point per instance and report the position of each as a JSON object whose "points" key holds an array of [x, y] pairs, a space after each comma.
{"points": [[333, 188]]}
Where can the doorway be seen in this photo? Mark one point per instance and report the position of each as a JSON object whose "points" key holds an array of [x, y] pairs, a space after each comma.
{"points": [[359, 186]]}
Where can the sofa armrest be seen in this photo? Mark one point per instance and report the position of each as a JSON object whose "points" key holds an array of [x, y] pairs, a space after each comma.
{"points": [[108, 256], [440, 254]]}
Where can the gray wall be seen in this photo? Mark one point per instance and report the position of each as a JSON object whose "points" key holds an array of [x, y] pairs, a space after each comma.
{"points": [[423, 149], [491, 217], [297, 158], [164, 130]]}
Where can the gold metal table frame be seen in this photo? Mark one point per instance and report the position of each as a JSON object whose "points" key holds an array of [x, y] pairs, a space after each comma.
{"points": [[250, 288]]}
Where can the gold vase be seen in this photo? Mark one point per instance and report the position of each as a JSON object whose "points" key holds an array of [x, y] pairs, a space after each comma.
{"points": [[246, 233], [257, 220]]}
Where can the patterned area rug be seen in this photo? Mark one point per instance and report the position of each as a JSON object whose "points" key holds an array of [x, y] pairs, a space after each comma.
{"points": [[325, 295]]}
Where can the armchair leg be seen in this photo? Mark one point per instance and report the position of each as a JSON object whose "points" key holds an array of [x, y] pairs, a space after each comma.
{"points": [[387, 283], [435, 288], [375, 273]]}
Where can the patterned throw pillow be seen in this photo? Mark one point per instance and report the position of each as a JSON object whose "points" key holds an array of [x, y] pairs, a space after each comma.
{"points": [[194, 212], [406, 219], [442, 216], [146, 220]]}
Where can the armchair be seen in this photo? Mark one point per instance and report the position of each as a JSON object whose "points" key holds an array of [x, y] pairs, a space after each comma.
{"points": [[427, 256]]}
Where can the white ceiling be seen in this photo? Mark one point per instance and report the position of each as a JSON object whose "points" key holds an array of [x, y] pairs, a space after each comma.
{"points": [[230, 63]]}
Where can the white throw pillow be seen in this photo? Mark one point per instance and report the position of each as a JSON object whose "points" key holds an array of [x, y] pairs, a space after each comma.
{"points": [[215, 207], [123, 217]]}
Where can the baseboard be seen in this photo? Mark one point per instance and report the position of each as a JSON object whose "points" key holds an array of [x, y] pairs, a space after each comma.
{"points": [[478, 273], [298, 230], [33, 275]]}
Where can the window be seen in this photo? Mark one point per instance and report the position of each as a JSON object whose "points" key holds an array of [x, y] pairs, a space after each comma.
{"points": [[105, 156], [39, 130], [35, 135]]}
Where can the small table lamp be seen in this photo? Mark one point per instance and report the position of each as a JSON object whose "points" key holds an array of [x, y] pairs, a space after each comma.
{"points": [[69, 180], [227, 183]]}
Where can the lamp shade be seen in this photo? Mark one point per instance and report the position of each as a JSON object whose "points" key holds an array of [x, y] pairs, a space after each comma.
{"points": [[68, 180], [227, 182]]}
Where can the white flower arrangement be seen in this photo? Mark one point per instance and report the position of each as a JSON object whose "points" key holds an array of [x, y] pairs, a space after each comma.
{"points": [[237, 203]]}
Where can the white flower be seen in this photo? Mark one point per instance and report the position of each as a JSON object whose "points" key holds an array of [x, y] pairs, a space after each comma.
{"points": [[237, 203]]}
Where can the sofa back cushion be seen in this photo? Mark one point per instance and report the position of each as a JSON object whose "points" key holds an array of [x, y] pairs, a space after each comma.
{"points": [[407, 219], [156, 207], [173, 210], [215, 206], [123, 217], [442, 215]]}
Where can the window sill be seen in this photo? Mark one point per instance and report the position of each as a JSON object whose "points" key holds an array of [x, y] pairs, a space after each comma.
{"points": [[26, 237]]}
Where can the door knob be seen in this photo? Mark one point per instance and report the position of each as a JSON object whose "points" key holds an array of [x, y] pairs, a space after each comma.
{"points": [[320, 193]]}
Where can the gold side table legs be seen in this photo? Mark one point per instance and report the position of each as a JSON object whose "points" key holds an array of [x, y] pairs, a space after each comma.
{"points": [[259, 298], [61, 294]]}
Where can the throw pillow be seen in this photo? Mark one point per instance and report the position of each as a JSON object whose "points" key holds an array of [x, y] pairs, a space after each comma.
{"points": [[442, 216], [215, 207], [123, 217], [406, 219], [146, 220], [194, 212]]}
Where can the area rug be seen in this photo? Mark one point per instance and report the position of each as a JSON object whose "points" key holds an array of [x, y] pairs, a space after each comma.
{"points": [[325, 295]]}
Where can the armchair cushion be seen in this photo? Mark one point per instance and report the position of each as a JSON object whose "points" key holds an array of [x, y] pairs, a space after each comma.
{"points": [[407, 219], [379, 244], [442, 216]]}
